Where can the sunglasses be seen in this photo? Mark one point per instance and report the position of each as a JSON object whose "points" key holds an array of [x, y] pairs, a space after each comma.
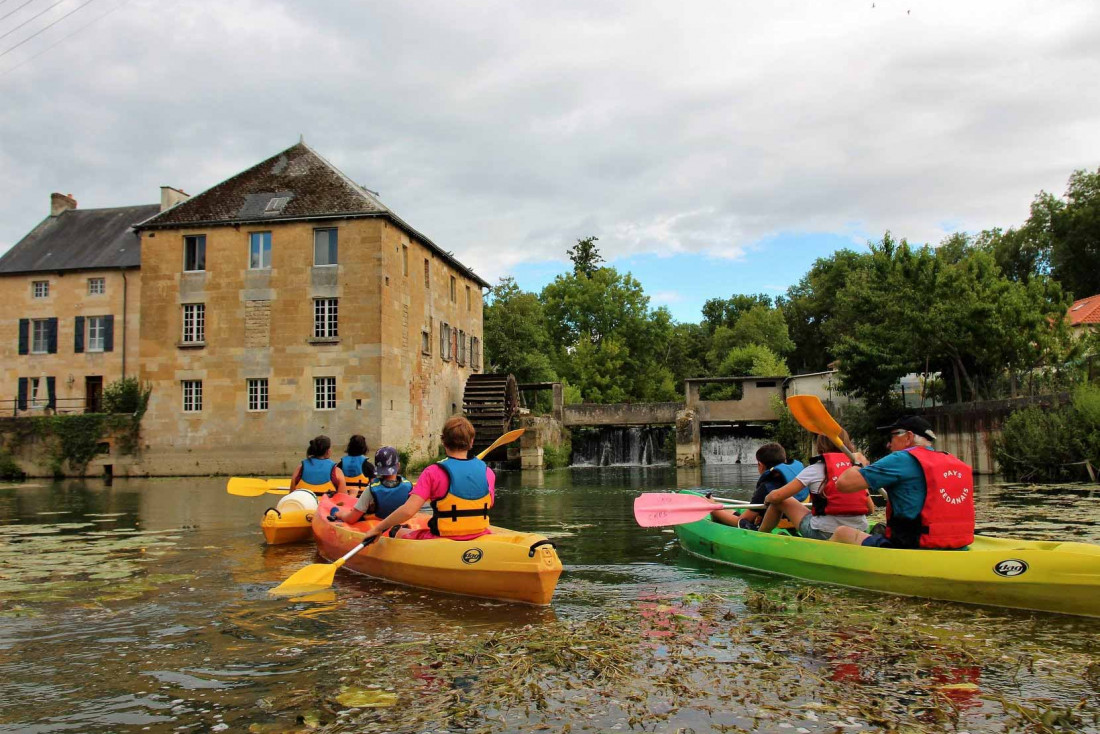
{"points": [[900, 432]]}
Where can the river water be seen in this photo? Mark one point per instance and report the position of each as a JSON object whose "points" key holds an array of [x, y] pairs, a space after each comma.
{"points": [[143, 607]]}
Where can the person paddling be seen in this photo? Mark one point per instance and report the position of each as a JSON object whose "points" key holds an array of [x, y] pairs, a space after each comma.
{"points": [[931, 492], [775, 471], [461, 490], [318, 472], [386, 493], [831, 509], [358, 472]]}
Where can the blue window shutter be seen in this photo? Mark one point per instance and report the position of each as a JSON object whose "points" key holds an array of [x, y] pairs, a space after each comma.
{"points": [[51, 336], [24, 336], [78, 335], [22, 393], [108, 333], [51, 383]]}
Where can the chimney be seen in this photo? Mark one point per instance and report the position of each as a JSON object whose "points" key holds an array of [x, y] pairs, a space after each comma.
{"points": [[169, 197], [61, 203]]}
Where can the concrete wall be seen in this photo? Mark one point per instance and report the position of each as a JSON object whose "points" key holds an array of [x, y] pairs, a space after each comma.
{"points": [[755, 403], [621, 414], [259, 324], [68, 298]]}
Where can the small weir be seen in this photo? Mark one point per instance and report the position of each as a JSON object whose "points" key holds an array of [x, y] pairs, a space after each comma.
{"points": [[730, 446], [623, 446]]}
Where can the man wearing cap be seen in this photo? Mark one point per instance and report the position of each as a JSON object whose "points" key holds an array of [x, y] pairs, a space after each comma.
{"points": [[931, 492]]}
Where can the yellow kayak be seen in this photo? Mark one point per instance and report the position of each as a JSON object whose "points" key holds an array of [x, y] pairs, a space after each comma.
{"points": [[291, 520], [1047, 576], [504, 565]]}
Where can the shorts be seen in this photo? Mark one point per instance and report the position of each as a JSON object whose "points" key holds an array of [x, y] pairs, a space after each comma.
{"points": [[877, 541], [807, 530]]}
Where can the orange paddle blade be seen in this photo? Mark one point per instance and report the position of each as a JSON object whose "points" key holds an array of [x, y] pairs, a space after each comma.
{"points": [[812, 415], [506, 438]]}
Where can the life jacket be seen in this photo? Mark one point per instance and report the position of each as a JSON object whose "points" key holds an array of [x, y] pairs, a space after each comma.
{"points": [[830, 500], [388, 499], [786, 473], [352, 466], [317, 475], [464, 510], [946, 520]]}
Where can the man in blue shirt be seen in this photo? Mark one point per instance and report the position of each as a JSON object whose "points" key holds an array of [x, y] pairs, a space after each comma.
{"points": [[899, 473]]}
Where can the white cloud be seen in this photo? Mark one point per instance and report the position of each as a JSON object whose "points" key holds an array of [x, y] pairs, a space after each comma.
{"points": [[505, 131], [665, 297]]}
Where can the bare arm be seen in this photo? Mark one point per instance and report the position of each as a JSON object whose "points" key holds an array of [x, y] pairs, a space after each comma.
{"points": [[296, 478], [788, 490], [338, 483], [851, 481]]}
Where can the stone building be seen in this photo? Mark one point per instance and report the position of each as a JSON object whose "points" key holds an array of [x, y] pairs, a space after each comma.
{"points": [[286, 302], [70, 292]]}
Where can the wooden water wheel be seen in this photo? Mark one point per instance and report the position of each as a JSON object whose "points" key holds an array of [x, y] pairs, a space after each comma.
{"points": [[490, 402]]}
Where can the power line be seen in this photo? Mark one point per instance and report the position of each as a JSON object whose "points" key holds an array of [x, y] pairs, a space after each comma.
{"points": [[28, 20], [43, 30], [17, 9], [63, 38]]}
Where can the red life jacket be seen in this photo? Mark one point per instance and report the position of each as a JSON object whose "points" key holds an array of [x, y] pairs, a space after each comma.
{"points": [[947, 518], [831, 501]]}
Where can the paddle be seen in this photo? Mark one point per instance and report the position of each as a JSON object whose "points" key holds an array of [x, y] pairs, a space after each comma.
{"points": [[319, 576], [812, 415], [247, 486], [660, 509]]}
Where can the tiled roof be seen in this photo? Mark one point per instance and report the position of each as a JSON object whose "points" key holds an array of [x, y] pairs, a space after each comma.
{"points": [[1085, 311], [292, 185], [80, 239]]}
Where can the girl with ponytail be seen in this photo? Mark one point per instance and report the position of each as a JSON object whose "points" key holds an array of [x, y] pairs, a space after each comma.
{"points": [[318, 472]]}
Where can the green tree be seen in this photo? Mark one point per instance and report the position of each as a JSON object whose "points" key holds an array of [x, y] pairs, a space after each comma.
{"points": [[516, 336], [585, 256], [727, 311], [1074, 228], [810, 307]]}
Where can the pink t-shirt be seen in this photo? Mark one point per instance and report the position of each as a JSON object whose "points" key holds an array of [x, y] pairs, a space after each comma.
{"points": [[433, 484]]}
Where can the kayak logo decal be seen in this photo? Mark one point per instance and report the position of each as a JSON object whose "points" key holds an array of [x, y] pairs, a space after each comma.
{"points": [[472, 556], [1013, 567]]}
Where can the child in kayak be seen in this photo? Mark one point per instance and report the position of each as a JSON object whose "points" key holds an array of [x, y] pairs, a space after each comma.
{"points": [[318, 471], [461, 490], [357, 470], [830, 507], [388, 491], [775, 472]]}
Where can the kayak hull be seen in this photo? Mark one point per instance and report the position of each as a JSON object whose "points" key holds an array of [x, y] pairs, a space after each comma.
{"points": [[1045, 576], [504, 565], [287, 526]]}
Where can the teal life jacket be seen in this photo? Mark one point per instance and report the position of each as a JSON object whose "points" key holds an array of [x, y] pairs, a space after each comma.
{"points": [[789, 471], [388, 499], [318, 472]]}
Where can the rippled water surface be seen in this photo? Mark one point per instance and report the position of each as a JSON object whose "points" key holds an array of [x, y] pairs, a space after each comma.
{"points": [[143, 606]]}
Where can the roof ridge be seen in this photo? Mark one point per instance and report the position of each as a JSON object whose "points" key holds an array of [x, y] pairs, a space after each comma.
{"points": [[359, 189]]}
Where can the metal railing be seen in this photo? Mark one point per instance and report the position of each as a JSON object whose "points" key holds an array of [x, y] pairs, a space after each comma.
{"points": [[60, 406]]}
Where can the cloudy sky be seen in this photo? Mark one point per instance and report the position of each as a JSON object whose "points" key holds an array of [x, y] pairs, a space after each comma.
{"points": [[713, 147]]}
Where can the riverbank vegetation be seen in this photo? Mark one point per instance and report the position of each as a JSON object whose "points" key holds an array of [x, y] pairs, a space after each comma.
{"points": [[1053, 443]]}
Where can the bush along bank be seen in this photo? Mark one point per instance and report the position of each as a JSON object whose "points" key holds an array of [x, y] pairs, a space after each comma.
{"points": [[1050, 444]]}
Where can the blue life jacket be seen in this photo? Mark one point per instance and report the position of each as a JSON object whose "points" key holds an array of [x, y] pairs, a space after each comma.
{"points": [[464, 510], [352, 466], [789, 471], [318, 472], [468, 477], [388, 499]]}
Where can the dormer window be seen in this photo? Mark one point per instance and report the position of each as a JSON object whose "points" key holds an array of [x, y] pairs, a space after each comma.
{"points": [[275, 206]]}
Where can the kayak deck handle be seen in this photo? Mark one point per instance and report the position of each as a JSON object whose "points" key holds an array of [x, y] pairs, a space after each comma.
{"points": [[531, 551], [275, 510]]}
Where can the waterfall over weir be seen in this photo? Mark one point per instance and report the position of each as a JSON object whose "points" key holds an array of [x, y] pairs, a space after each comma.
{"points": [[726, 447], [622, 446]]}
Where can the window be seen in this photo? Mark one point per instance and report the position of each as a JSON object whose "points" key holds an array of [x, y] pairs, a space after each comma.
{"points": [[324, 247], [41, 288], [257, 394], [97, 332], [475, 353], [259, 250], [324, 393], [461, 347], [426, 340], [96, 286], [324, 318], [444, 341], [194, 252], [40, 336], [405, 260], [275, 206], [38, 393], [468, 298], [454, 289], [192, 396], [194, 323], [427, 275]]}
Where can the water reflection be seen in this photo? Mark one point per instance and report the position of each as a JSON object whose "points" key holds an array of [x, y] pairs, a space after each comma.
{"points": [[144, 604]]}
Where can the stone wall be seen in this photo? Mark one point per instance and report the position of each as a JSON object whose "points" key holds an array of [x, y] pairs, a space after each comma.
{"points": [[621, 414]]}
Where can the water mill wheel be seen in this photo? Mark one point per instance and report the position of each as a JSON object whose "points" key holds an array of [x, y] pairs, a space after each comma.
{"points": [[490, 402]]}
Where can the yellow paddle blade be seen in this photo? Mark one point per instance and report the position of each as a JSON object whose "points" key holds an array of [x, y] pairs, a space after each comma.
{"points": [[309, 580], [812, 415], [246, 486], [506, 438], [278, 486]]}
